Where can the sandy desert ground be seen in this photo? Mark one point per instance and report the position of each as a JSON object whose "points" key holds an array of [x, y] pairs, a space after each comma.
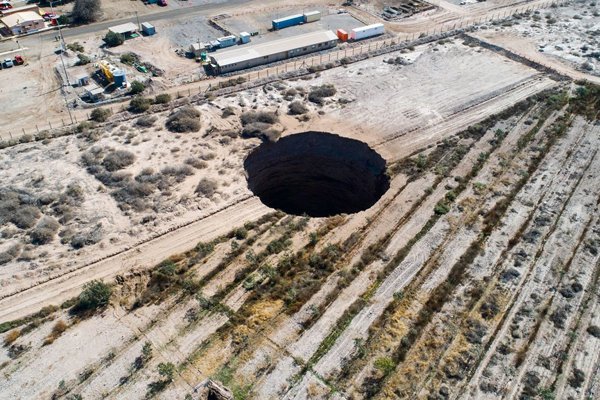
{"points": [[473, 276]]}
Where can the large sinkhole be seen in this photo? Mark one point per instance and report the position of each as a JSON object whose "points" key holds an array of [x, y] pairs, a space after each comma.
{"points": [[317, 174]]}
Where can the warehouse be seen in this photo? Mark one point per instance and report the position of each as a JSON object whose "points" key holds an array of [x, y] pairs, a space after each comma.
{"points": [[276, 50]]}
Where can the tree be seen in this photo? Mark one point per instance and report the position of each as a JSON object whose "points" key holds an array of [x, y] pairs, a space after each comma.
{"points": [[139, 104], [86, 11], [95, 295], [147, 351], [166, 370], [113, 39], [137, 87], [100, 114]]}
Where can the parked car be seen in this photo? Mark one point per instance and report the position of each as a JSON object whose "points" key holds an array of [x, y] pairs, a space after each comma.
{"points": [[162, 3], [8, 63], [5, 5], [19, 60], [48, 16]]}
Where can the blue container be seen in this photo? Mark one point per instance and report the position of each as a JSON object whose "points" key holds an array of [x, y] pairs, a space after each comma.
{"points": [[227, 41], [148, 28], [120, 78], [286, 22]]}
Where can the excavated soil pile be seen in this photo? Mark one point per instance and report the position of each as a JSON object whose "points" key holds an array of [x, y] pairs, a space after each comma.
{"points": [[318, 174]]}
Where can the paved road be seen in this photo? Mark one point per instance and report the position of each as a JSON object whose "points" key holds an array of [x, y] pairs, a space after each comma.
{"points": [[205, 9]]}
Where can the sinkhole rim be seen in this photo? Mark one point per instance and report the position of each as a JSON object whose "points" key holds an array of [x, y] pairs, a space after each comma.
{"points": [[318, 174]]}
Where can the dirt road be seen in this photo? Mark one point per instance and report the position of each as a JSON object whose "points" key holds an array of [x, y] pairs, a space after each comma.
{"points": [[66, 286]]}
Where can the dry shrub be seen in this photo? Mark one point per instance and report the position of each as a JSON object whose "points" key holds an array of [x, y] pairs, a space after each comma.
{"points": [[319, 93], [207, 187], [118, 159], [186, 119], [297, 108], [179, 172], [146, 121], [227, 112], [196, 163], [44, 231], [11, 337], [266, 117], [261, 130], [26, 217], [57, 330]]}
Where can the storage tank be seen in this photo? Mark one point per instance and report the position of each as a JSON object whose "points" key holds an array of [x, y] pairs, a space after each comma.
{"points": [[227, 41], [120, 78], [244, 37], [285, 22], [367, 31], [342, 35], [312, 16]]}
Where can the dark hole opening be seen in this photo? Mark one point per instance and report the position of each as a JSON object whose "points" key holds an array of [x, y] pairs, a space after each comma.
{"points": [[318, 174]]}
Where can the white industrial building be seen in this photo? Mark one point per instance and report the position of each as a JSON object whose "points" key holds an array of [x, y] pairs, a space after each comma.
{"points": [[276, 50]]}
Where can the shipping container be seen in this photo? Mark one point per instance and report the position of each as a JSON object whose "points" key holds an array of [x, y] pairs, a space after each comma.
{"points": [[244, 37], [367, 31], [227, 41], [286, 22], [148, 28], [342, 35], [312, 16]]}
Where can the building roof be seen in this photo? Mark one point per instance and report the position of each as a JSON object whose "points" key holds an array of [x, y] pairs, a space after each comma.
{"points": [[18, 18], [124, 28], [251, 52]]}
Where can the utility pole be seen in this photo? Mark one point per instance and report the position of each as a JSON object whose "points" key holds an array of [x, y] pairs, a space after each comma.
{"points": [[138, 21], [62, 61]]}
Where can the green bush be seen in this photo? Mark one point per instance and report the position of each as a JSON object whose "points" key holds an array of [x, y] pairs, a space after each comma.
{"points": [[139, 104], [100, 114], [385, 365], [83, 59], [75, 46], [113, 39], [441, 208], [162, 98], [129, 58], [95, 295], [137, 87]]}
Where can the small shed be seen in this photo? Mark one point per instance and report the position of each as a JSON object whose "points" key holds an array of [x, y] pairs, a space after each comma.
{"points": [[95, 92], [83, 80], [124, 29], [244, 37], [148, 29]]}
